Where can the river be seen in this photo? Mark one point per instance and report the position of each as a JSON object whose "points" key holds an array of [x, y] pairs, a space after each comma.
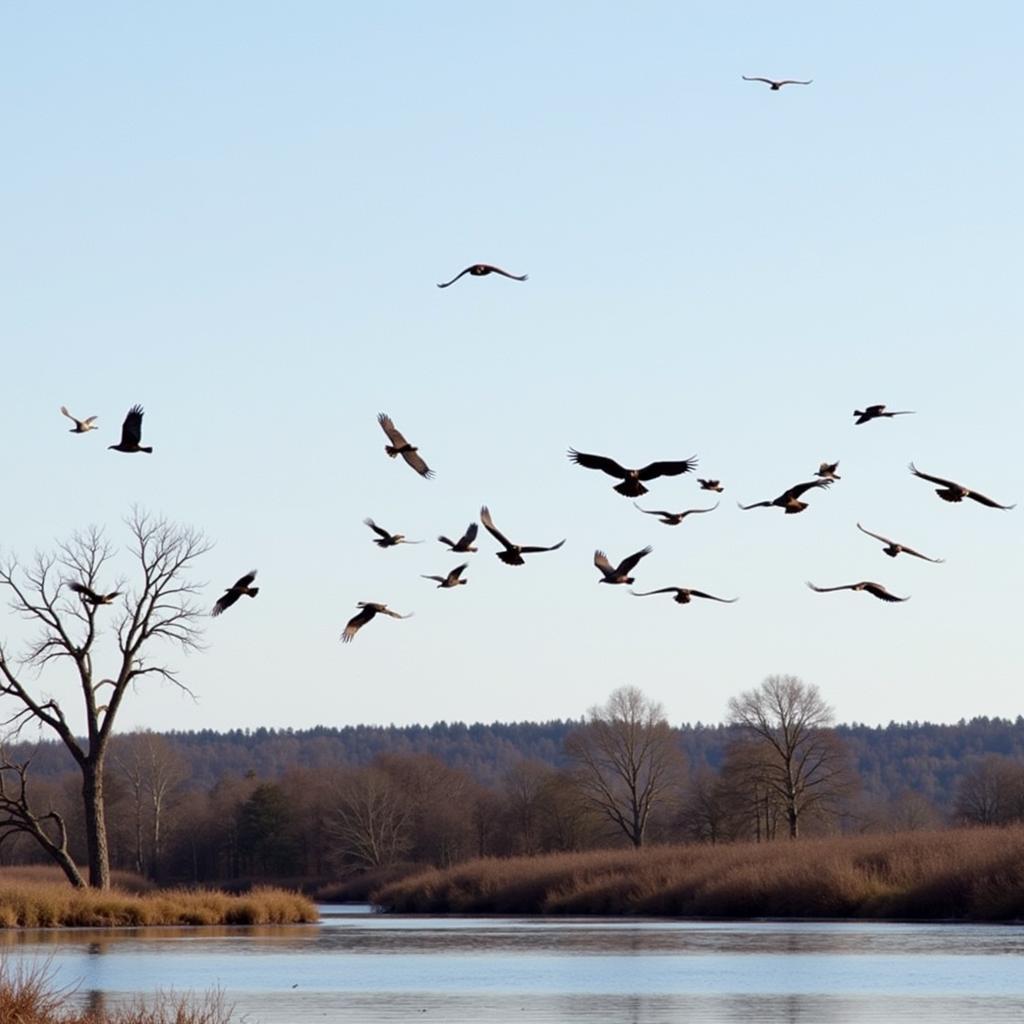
{"points": [[359, 966]]}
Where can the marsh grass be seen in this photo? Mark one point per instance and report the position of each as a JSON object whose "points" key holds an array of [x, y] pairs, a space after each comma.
{"points": [[969, 874]]}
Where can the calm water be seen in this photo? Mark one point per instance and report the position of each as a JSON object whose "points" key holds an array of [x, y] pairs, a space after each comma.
{"points": [[374, 968]]}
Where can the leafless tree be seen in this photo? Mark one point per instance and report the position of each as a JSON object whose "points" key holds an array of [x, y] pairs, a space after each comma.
{"points": [[372, 820], [791, 751], [159, 605], [992, 792], [626, 759]]}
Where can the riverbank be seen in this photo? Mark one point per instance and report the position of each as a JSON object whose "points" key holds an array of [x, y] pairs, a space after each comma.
{"points": [[45, 904], [964, 874]]}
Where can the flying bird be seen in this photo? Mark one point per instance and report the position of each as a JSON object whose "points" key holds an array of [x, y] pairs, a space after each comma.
{"points": [[789, 500], [892, 549], [81, 426], [711, 485], [950, 491], [827, 471], [453, 579], [874, 589], [631, 486], [131, 433], [675, 518], [465, 542], [777, 84], [683, 595], [874, 412], [235, 591], [89, 596], [385, 539], [482, 270], [619, 573], [513, 553], [360, 619], [399, 446]]}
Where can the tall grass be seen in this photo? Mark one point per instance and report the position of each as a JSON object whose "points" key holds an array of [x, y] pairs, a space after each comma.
{"points": [[44, 904], [971, 874]]}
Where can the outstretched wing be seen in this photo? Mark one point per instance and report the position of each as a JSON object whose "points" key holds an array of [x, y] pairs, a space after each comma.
{"points": [[383, 534], [767, 81], [757, 504], [81, 588], [877, 536], [877, 590], [601, 561], [826, 590], [505, 273], [131, 429], [225, 601], [711, 597], [245, 581], [934, 479], [628, 564], [606, 465], [981, 499], [416, 461], [455, 278], [470, 535], [458, 571], [485, 518], [795, 492], [436, 579], [917, 554], [652, 512], [64, 409], [387, 611], [357, 622], [794, 81], [535, 549], [389, 428], [661, 590], [656, 469]]}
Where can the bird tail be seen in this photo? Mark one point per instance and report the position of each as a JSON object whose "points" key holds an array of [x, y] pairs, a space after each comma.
{"points": [[631, 488], [253, 591], [148, 451], [391, 450]]}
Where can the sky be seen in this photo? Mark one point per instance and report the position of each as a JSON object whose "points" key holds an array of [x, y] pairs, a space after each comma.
{"points": [[236, 215]]}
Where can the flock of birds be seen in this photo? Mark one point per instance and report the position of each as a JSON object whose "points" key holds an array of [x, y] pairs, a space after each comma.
{"points": [[631, 484]]}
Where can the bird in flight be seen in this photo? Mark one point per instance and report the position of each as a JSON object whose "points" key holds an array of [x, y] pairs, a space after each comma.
{"points": [[827, 471], [619, 573], [892, 549], [950, 491], [482, 270], [874, 412], [675, 518], [385, 539], [684, 594], [131, 433], [777, 84], [453, 579], [399, 446], [874, 589], [81, 426], [464, 543], [89, 596], [711, 485], [235, 591], [631, 485], [513, 553], [360, 619], [789, 500]]}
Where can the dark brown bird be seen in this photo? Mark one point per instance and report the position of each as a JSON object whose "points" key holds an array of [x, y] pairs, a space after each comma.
{"points": [[465, 543], [892, 549], [131, 433], [81, 426], [675, 518], [619, 573], [711, 485], [684, 594], [788, 500], [950, 491], [513, 553], [777, 84], [482, 270], [385, 539], [89, 596], [399, 446], [827, 471], [453, 579], [369, 610], [631, 486], [874, 412], [235, 591], [874, 589]]}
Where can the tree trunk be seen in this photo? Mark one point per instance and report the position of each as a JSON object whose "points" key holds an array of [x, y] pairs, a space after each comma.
{"points": [[95, 825], [793, 822]]}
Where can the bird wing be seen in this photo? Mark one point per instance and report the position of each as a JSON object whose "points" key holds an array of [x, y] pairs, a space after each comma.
{"points": [[981, 499], [416, 461], [917, 554], [383, 534], [245, 581], [439, 579], [485, 518], [652, 512], [877, 590], [131, 429], [934, 479], [767, 81], [711, 597], [389, 428], [661, 590], [532, 550], [387, 611], [656, 469], [757, 504], [458, 571], [470, 535], [798, 489], [628, 564], [358, 620], [81, 588], [446, 540], [505, 273], [225, 601], [606, 465], [794, 81], [455, 278], [826, 590], [90, 419], [601, 561], [64, 409], [691, 511], [877, 536]]}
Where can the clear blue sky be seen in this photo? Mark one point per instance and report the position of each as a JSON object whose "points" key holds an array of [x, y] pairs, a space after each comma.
{"points": [[235, 214]]}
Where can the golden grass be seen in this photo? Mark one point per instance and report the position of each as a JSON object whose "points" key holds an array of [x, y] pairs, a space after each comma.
{"points": [[51, 904], [974, 874]]}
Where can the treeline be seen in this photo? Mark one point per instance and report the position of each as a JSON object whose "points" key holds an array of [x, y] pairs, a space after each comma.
{"points": [[289, 805]]}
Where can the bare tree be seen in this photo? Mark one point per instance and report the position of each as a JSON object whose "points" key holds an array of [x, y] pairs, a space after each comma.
{"points": [[159, 606], [793, 752], [626, 760], [991, 792], [373, 819]]}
